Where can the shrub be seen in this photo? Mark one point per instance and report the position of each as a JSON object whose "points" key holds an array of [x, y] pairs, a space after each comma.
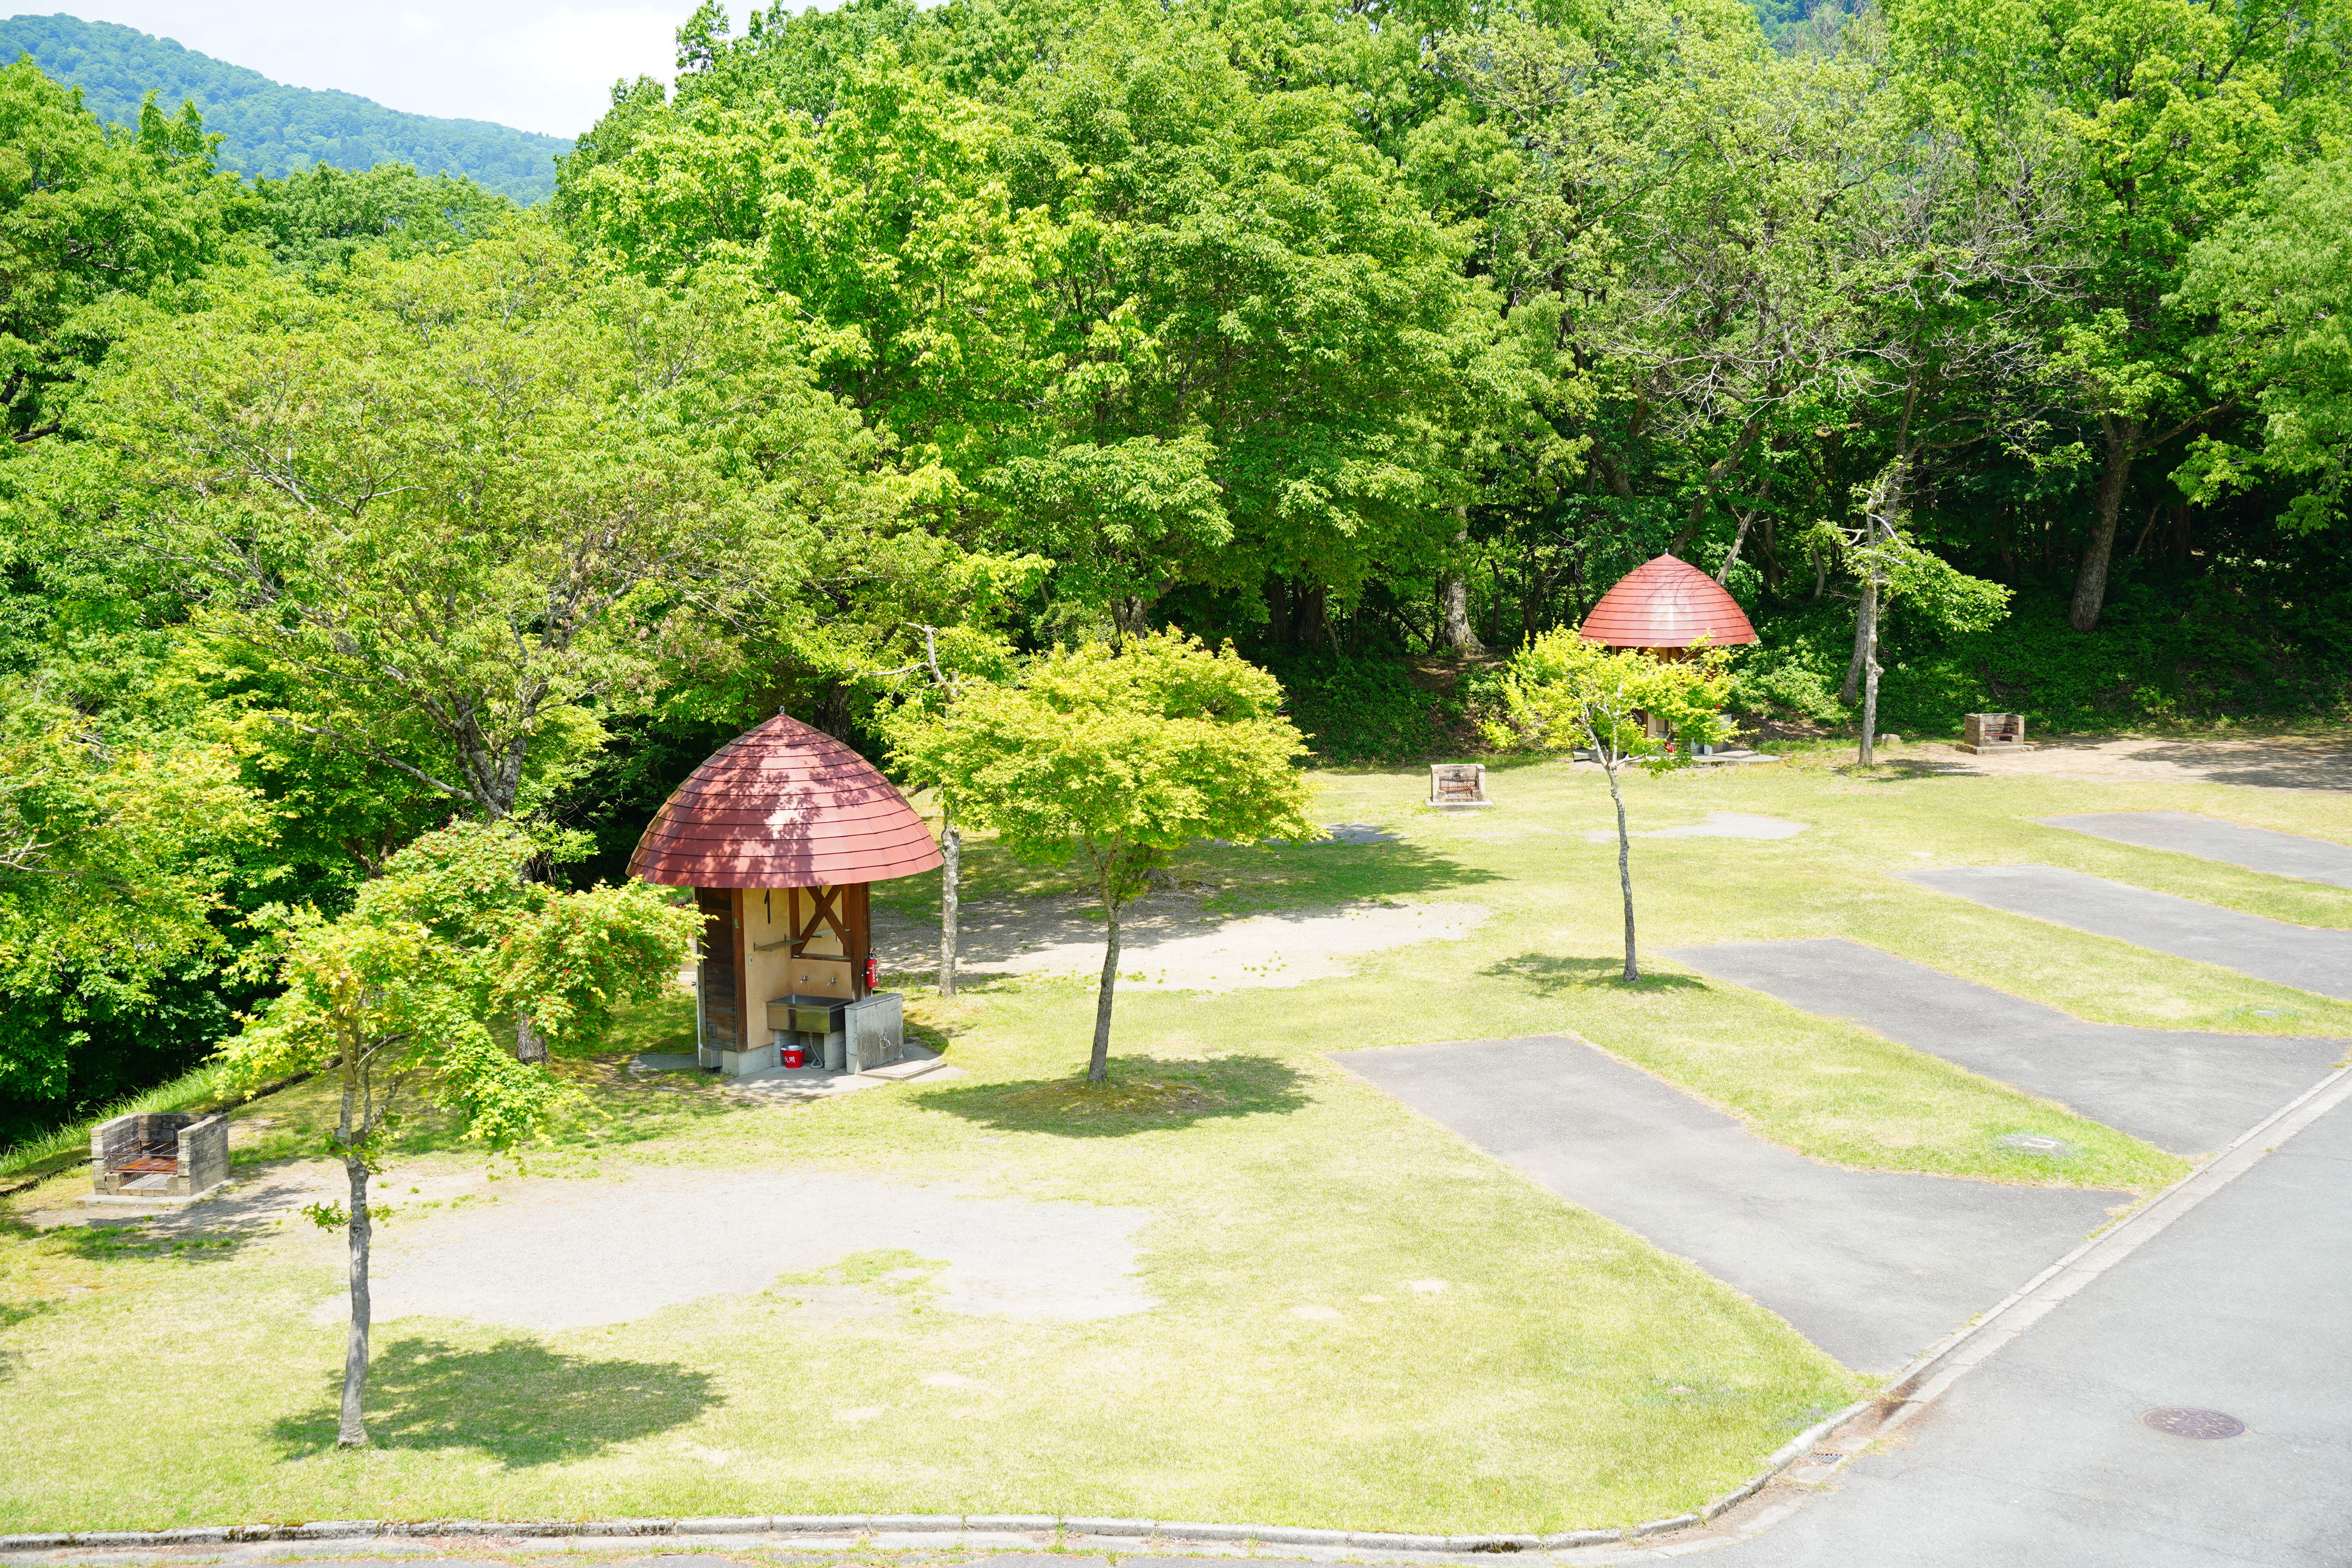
{"points": [[1359, 709]]}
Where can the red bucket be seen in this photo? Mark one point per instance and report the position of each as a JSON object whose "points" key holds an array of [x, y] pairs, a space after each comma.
{"points": [[796, 1057]]}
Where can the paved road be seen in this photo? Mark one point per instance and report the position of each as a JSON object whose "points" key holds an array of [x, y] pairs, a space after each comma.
{"points": [[1872, 1265], [2039, 1456]]}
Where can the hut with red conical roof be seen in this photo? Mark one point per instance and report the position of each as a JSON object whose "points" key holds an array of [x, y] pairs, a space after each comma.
{"points": [[780, 834], [1666, 604]]}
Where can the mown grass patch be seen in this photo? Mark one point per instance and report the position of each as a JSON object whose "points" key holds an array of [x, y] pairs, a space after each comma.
{"points": [[1361, 1322]]}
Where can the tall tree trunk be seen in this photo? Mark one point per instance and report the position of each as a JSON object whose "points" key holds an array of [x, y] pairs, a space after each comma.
{"points": [[833, 710], [1098, 1067], [1866, 629], [1454, 633], [1882, 517], [1747, 520], [1866, 625], [2090, 577], [1131, 617], [950, 897], [529, 1044], [1276, 593], [353, 1432], [1624, 865]]}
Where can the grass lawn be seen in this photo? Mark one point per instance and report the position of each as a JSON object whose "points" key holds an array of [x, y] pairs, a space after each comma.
{"points": [[1361, 1320]]}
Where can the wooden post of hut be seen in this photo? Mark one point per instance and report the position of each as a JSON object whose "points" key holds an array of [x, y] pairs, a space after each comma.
{"points": [[782, 834], [1666, 607]]}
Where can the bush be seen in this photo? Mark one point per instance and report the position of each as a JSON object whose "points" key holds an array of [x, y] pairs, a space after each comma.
{"points": [[2155, 660], [1358, 710], [55, 1069]]}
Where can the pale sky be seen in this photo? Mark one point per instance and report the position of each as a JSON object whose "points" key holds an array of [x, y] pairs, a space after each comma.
{"points": [[536, 65]]}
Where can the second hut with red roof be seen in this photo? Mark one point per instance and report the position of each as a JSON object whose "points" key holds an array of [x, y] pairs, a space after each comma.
{"points": [[1668, 606]]}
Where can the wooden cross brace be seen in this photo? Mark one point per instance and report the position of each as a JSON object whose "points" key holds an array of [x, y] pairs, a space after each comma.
{"points": [[823, 911]]}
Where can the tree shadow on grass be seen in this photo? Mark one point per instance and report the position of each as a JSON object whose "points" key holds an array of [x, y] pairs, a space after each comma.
{"points": [[1549, 975], [1904, 769], [516, 1400], [1144, 1094], [1251, 880]]}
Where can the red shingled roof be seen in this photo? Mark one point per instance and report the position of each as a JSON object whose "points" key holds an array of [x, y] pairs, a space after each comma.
{"points": [[783, 806], [1666, 602]]}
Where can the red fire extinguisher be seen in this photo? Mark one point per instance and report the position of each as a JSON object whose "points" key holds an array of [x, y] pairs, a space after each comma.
{"points": [[873, 971]]}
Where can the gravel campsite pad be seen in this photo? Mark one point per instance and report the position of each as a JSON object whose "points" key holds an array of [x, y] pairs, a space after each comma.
{"points": [[2306, 956], [2277, 761], [1170, 943], [568, 1255], [2209, 838], [2185, 1091], [1871, 1266]]}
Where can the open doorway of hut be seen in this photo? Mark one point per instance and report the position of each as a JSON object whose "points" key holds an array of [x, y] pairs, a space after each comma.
{"points": [[786, 968]]}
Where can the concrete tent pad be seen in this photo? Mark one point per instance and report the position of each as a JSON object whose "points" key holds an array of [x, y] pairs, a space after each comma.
{"points": [[2209, 838], [1872, 1265], [2186, 1092], [2306, 956], [554, 1254]]}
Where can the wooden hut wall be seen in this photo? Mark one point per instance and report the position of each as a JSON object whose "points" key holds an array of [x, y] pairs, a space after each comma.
{"points": [[720, 973]]}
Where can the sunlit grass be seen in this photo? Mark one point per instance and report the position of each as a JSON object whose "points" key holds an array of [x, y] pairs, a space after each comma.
{"points": [[1363, 1321]]}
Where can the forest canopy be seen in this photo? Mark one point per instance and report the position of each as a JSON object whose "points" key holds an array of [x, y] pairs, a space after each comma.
{"points": [[892, 345]]}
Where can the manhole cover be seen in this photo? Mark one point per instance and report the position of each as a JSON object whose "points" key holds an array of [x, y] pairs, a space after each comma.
{"points": [[2183, 1423], [2035, 1143]]}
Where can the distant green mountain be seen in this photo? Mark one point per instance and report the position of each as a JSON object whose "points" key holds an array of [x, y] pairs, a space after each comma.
{"points": [[274, 130]]}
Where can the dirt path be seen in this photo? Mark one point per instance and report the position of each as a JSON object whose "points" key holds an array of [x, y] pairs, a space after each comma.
{"points": [[2285, 762], [1169, 940]]}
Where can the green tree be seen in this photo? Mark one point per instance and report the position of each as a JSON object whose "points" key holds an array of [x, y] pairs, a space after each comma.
{"points": [[119, 840], [395, 997], [1169, 325], [1887, 561], [1119, 756], [954, 657], [466, 503], [2170, 110], [1561, 693], [89, 222], [321, 217], [2276, 283]]}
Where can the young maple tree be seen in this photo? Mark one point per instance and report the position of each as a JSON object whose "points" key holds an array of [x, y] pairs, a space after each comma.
{"points": [[397, 997], [1118, 757], [1560, 691]]}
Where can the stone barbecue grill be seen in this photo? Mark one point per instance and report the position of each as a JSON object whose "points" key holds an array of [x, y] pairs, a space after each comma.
{"points": [[780, 834], [159, 1154]]}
